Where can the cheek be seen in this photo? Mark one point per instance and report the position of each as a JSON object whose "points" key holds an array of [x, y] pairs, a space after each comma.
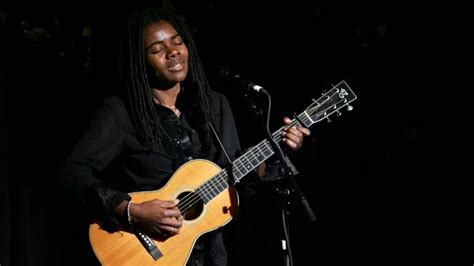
{"points": [[186, 55], [156, 64]]}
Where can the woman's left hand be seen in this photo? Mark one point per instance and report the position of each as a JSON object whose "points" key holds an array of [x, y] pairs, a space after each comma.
{"points": [[293, 136]]}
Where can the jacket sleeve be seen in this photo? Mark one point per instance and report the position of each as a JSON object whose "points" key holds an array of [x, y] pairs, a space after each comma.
{"points": [[101, 143]]}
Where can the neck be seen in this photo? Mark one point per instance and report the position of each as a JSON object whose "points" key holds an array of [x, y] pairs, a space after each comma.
{"points": [[166, 98]]}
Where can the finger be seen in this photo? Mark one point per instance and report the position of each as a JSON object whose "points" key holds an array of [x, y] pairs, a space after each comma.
{"points": [[171, 221], [176, 222], [293, 145], [154, 230], [172, 230], [169, 203], [292, 139], [175, 213], [293, 131], [305, 131], [176, 230], [166, 229]]}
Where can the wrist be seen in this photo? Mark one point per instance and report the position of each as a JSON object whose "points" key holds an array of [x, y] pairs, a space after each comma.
{"points": [[134, 212], [121, 208]]}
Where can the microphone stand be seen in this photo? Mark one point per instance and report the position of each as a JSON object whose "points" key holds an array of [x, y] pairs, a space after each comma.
{"points": [[285, 193]]}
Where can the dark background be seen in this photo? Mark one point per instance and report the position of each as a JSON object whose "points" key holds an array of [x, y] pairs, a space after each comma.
{"points": [[375, 177]]}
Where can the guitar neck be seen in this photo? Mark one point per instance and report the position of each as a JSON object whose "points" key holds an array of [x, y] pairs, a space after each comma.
{"points": [[247, 162], [262, 151], [339, 96]]}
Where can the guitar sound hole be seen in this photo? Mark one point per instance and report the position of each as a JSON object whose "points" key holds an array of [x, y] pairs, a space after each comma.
{"points": [[191, 205]]}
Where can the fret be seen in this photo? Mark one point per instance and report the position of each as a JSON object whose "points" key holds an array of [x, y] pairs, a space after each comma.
{"points": [[210, 186], [236, 173], [267, 148], [209, 189], [219, 185], [203, 195], [222, 180], [263, 150], [306, 118], [249, 160], [259, 155], [339, 96], [238, 166], [215, 189], [248, 165], [253, 160]]}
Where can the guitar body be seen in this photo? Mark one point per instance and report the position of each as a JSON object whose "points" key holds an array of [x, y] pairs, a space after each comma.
{"points": [[124, 248], [208, 188]]}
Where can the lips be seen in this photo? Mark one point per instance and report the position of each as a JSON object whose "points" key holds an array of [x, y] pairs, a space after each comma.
{"points": [[175, 65]]}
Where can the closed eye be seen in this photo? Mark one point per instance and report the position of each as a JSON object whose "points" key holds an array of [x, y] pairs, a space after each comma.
{"points": [[177, 40], [155, 51]]}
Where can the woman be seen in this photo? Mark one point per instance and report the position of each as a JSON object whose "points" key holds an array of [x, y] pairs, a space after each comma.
{"points": [[136, 142]]}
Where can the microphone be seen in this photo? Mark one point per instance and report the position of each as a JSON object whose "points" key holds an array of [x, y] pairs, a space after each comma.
{"points": [[226, 75]]}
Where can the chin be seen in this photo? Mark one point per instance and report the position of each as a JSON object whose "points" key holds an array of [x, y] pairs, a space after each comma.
{"points": [[179, 77]]}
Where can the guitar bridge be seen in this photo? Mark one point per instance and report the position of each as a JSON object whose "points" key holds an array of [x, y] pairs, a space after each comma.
{"points": [[149, 244]]}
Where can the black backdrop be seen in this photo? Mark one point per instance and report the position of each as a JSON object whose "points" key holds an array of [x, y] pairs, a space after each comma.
{"points": [[369, 175]]}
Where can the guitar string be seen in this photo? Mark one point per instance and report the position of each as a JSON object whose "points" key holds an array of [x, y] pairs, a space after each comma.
{"points": [[218, 180], [191, 199], [214, 182], [204, 189]]}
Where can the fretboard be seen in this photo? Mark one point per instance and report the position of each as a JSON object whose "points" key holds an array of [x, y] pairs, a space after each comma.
{"points": [[246, 163], [339, 96]]}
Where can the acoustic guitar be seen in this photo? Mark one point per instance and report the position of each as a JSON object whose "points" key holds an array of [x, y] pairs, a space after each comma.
{"points": [[208, 198]]}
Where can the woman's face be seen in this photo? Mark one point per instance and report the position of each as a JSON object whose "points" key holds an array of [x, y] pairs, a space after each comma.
{"points": [[166, 53]]}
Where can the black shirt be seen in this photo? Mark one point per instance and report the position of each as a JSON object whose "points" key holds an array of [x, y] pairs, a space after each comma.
{"points": [[108, 161]]}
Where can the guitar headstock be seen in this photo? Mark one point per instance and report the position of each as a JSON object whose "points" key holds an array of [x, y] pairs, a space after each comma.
{"points": [[329, 103]]}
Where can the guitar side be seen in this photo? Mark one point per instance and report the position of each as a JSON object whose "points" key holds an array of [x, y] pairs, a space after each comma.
{"points": [[124, 248]]}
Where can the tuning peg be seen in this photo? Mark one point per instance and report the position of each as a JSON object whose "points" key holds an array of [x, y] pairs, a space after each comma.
{"points": [[323, 92], [328, 119], [338, 113], [350, 108]]}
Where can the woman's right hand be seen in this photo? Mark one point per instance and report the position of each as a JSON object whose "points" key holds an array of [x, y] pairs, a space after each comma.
{"points": [[157, 216]]}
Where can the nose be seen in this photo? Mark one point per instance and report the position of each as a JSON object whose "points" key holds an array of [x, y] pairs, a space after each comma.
{"points": [[173, 51]]}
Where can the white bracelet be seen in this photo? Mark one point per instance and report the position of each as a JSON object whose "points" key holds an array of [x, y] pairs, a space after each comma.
{"points": [[129, 217]]}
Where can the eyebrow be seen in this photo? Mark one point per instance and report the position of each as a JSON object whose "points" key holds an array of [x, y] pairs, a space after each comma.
{"points": [[160, 42]]}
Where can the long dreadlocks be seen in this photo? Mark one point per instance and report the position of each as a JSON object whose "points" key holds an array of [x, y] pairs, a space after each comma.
{"points": [[196, 93]]}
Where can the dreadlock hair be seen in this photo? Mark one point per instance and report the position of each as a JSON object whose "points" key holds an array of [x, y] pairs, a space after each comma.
{"points": [[195, 92]]}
